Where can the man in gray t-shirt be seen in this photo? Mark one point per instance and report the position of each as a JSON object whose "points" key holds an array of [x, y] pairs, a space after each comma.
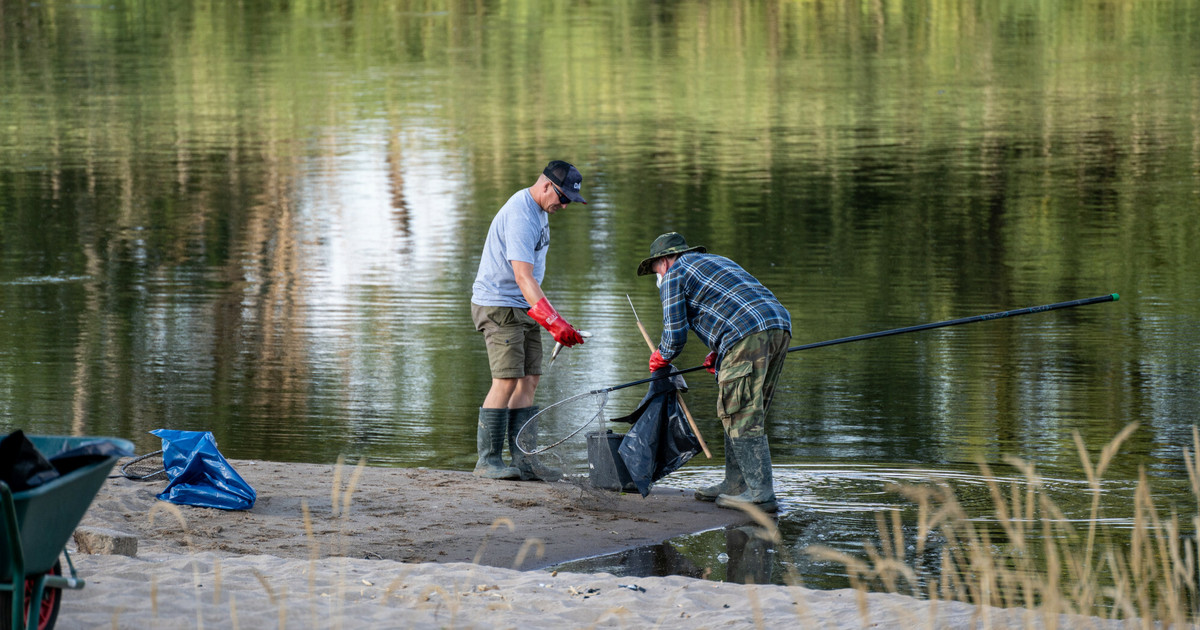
{"points": [[509, 280]]}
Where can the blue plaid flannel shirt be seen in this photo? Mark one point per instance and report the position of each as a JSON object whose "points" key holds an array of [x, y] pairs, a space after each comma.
{"points": [[718, 300]]}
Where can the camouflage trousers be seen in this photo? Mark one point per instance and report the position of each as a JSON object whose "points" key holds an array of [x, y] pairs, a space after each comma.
{"points": [[746, 382]]}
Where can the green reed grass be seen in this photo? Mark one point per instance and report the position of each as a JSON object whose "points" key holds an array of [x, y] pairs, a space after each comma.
{"points": [[1031, 556]]}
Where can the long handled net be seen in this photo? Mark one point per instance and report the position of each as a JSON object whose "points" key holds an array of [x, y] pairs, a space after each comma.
{"points": [[577, 447], [569, 417], [588, 407]]}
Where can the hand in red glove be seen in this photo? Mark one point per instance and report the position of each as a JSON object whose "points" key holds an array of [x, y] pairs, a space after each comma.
{"points": [[657, 361], [710, 362], [564, 333]]}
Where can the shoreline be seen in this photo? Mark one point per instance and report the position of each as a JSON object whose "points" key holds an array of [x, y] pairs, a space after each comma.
{"points": [[408, 515], [378, 547]]}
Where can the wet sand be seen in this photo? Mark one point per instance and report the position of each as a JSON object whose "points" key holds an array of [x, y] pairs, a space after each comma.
{"points": [[408, 515], [397, 548]]}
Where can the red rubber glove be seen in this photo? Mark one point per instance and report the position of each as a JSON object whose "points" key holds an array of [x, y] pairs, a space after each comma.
{"points": [[564, 333], [657, 361], [710, 362]]}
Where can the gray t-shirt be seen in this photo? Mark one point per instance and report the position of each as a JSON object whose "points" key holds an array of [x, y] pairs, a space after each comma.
{"points": [[520, 231]]}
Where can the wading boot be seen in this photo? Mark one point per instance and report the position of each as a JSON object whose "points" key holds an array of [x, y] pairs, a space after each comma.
{"points": [[489, 440], [734, 483], [531, 468], [754, 458]]}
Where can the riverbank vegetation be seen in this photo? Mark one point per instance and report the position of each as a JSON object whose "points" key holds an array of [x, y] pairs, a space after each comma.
{"points": [[1146, 573]]}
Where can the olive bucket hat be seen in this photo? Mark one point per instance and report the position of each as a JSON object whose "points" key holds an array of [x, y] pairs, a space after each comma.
{"points": [[669, 244]]}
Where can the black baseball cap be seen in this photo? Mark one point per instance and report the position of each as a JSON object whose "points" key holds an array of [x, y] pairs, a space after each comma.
{"points": [[566, 177]]}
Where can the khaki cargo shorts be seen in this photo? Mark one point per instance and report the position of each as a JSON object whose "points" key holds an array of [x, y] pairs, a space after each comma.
{"points": [[746, 382], [513, 339]]}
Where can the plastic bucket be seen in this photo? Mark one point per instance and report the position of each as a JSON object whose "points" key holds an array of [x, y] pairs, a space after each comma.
{"points": [[606, 469]]}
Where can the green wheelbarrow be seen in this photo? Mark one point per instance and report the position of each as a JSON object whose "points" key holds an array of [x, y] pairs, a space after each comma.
{"points": [[35, 525]]}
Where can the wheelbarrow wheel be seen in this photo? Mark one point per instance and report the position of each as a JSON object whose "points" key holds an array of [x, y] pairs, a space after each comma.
{"points": [[47, 610]]}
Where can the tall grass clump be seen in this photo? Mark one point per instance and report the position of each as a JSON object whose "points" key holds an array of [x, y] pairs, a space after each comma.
{"points": [[1028, 554]]}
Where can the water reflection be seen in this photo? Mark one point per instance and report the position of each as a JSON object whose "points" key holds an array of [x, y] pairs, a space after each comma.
{"points": [[744, 554], [846, 509], [748, 555]]}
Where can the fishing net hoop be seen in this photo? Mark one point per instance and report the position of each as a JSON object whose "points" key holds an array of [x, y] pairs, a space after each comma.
{"points": [[602, 395], [148, 467]]}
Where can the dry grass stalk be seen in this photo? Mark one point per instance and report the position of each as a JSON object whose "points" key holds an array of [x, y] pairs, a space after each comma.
{"points": [[537, 544], [496, 524], [1151, 580], [163, 506]]}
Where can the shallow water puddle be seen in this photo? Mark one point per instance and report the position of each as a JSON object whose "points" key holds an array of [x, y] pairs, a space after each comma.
{"points": [[836, 507]]}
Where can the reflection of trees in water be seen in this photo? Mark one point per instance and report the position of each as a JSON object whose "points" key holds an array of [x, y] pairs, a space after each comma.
{"points": [[786, 106], [260, 315], [89, 315], [149, 331], [395, 171]]}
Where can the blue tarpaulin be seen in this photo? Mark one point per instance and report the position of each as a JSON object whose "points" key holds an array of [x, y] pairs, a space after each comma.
{"points": [[199, 475]]}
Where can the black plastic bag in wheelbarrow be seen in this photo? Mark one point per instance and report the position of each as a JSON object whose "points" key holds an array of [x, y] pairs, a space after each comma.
{"points": [[199, 475], [22, 465], [660, 440]]}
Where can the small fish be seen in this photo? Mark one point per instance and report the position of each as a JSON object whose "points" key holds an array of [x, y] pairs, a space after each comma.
{"points": [[558, 347]]}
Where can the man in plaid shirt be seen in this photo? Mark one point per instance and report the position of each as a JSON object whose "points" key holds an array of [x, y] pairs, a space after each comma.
{"points": [[747, 331]]}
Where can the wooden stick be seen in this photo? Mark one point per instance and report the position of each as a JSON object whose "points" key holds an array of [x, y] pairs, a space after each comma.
{"points": [[683, 405]]}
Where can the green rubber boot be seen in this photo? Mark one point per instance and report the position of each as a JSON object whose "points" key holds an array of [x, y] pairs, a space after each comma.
{"points": [[531, 468], [734, 483], [489, 440], [754, 458]]}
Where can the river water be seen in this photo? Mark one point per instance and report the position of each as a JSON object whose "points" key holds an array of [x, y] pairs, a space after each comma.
{"points": [[264, 221]]}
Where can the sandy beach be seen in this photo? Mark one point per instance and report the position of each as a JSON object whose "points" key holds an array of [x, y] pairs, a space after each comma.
{"points": [[328, 546]]}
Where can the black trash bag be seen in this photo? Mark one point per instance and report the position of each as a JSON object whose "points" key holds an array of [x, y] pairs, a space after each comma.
{"points": [[22, 465], [661, 440]]}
